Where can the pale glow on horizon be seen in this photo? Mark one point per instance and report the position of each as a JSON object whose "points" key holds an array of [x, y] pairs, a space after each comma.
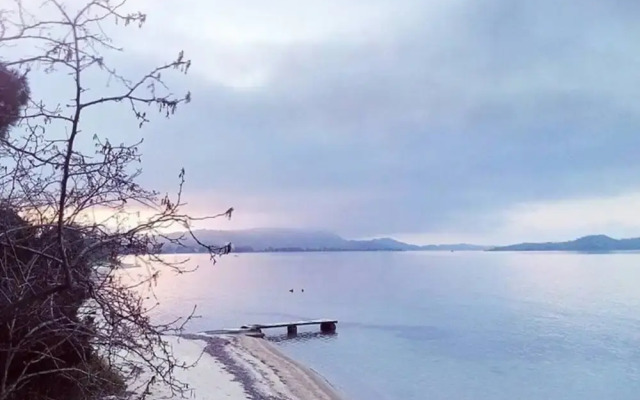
{"points": [[562, 220], [616, 216]]}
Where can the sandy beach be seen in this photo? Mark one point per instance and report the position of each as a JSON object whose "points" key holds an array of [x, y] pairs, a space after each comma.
{"points": [[239, 367]]}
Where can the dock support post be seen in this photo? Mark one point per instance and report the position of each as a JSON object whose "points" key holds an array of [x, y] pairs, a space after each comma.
{"points": [[255, 332], [292, 330], [327, 327]]}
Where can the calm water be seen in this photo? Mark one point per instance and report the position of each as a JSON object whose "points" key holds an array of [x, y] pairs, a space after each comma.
{"points": [[437, 326]]}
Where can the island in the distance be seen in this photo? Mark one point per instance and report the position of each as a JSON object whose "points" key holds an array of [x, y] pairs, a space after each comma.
{"points": [[592, 243], [297, 240]]}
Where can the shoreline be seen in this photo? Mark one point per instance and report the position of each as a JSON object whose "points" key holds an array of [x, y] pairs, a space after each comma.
{"points": [[300, 381], [240, 367]]}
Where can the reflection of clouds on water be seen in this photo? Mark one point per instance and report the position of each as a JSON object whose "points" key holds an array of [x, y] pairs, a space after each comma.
{"points": [[283, 316], [471, 326], [414, 332]]}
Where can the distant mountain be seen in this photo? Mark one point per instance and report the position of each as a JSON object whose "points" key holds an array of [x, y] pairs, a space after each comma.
{"points": [[380, 244], [586, 243], [281, 240], [272, 238], [454, 247]]}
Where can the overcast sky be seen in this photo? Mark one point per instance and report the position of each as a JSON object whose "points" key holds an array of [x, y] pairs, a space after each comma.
{"points": [[489, 121]]}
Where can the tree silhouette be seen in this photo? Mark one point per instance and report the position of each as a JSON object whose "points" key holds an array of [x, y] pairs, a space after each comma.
{"points": [[14, 94], [68, 318]]}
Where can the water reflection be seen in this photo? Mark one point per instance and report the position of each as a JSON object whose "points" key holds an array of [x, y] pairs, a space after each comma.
{"points": [[303, 337], [495, 326]]}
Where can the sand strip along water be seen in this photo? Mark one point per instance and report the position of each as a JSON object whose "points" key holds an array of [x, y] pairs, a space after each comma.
{"points": [[208, 379], [263, 371]]}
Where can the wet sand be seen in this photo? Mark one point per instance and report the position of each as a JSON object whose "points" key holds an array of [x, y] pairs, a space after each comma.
{"points": [[262, 370]]}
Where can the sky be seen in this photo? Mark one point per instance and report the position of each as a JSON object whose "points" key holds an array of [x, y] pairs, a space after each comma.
{"points": [[432, 121]]}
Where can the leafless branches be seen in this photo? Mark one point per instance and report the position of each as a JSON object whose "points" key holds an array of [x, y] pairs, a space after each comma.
{"points": [[64, 311]]}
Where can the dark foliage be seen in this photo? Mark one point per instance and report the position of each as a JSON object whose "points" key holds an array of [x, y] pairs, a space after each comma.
{"points": [[14, 95], [43, 335]]}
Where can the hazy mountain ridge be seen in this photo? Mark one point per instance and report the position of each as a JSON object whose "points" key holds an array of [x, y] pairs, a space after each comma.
{"points": [[586, 243], [275, 239]]}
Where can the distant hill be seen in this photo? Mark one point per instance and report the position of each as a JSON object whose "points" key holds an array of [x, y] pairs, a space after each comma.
{"points": [[586, 244], [283, 240], [379, 244], [454, 247]]}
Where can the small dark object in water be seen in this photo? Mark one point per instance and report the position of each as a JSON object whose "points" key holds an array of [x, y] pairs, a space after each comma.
{"points": [[291, 290], [302, 290]]}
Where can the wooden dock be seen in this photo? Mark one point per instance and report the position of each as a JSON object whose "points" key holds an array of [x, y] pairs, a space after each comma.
{"points": [[326, 326]]}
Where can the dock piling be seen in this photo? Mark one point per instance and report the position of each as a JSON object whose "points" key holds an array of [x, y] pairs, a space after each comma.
{"points": [[326, 326]]}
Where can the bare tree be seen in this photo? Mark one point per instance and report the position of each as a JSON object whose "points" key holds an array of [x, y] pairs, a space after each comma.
{"points": [[66, 315]]}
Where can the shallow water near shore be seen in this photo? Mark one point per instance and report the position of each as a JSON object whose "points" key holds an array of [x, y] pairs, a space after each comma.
{"points": [[436, 325]]}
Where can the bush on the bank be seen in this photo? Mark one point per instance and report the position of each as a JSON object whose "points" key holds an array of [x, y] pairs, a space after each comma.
{"points": [[45, 349]]}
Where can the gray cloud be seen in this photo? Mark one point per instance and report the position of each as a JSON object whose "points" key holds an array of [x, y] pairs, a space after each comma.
{"points": [[435, 122]]}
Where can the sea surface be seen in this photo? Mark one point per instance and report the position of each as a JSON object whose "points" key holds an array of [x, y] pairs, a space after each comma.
{"points": [[436, 325]]}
